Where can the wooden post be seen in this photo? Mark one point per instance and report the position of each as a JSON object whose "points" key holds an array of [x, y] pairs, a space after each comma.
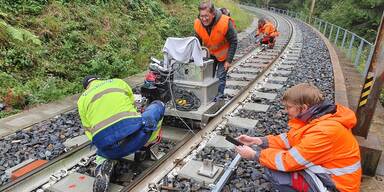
{"points": [[311, 11], [370, 146], [374, 79]]}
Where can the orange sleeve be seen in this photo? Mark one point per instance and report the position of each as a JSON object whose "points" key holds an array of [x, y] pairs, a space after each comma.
{"points": [[268, 29], [278, 141], [314, 149]]}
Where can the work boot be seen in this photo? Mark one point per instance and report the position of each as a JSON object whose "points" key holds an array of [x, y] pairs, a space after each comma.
{"points": [[263, 47], [103, 173], [218, 97], [142, 155], [271, 45]]}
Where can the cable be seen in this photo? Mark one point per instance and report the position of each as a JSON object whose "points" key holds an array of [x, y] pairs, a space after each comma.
{"points": [[186, 100], [174, 104]]}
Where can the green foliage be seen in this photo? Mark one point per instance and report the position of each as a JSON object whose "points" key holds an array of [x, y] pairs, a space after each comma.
{"points": [[359, 16], [11, 34], [49, 46], [33, 7]]}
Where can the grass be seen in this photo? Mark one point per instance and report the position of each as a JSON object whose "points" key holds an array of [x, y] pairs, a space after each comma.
{"points": [[242, 18], [47, 47]]}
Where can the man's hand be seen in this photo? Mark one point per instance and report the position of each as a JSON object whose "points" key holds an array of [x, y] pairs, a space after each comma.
{"points": [[227, 65], [246, 152], [247, 140]]}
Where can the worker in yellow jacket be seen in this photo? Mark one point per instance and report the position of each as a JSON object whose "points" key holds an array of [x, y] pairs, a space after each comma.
{"points": [[318, 153], [114, 126]]}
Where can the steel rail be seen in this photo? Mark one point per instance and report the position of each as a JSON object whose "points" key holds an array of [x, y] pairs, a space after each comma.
{"points": [[175, 159], [232, 167], [207, 116], [40, 176]]}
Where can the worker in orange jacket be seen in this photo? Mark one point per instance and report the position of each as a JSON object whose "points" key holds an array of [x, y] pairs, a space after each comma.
{"points": [[268, 32], [318, 153], [217, 32]]}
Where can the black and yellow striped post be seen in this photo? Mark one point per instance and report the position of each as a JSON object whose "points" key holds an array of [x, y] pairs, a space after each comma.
{"points": [[366, 90], [370, 93], [370, 145]]}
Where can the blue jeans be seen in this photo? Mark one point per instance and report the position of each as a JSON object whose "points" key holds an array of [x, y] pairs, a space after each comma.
{"points": [[221, 73], [129, 135]]}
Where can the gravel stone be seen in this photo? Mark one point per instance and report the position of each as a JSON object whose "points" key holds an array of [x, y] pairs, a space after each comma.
{"points": [[43, 141]]}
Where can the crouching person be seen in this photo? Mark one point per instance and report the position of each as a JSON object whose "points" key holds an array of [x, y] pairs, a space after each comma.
{"points": [[318, 153], [268, 33], [114, 126]]}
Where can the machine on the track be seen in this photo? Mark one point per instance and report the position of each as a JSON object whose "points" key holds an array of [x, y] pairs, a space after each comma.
{"points": [[187, 89]]}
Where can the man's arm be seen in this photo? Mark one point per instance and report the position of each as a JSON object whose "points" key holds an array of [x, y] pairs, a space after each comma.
{"points": [[276, 141], [83, 117], [231, 37]]}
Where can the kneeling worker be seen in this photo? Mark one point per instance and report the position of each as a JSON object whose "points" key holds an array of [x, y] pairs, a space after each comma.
{"points": [[318, 153], [114, 126], [268, 33]]}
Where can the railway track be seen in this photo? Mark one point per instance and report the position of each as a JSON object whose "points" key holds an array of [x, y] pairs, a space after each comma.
{"points": [[255, 69], [253, 85]]}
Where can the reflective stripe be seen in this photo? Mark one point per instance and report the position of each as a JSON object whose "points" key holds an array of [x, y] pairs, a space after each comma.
{"points": [[112, 119], [346, 170], [319, 184], [87, 129], [110, 90], [320, 169], [284, 137], [298, 158], [279, 161]]}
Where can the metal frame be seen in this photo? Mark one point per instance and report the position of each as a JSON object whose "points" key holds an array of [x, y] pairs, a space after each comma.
{"points": [[323, 26]]}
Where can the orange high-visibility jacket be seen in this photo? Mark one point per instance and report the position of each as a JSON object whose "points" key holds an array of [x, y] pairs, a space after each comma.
{"points": [[268, 29], [324, 145], [216, 42]]}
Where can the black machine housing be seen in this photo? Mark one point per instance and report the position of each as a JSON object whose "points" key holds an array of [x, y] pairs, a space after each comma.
{"points": [[157, 83]]}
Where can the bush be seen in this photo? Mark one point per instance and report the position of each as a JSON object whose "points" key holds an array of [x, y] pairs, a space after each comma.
{"points": [[49, 46]]}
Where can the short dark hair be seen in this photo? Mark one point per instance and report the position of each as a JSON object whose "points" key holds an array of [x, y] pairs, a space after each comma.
{"points": [[207, 5], [88, 79], [261, 20]]}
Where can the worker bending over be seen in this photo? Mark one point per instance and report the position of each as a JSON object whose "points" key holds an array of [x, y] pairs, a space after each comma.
{"points": [[114, 126], [267, 33], [216, 32], [318, 153]]}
